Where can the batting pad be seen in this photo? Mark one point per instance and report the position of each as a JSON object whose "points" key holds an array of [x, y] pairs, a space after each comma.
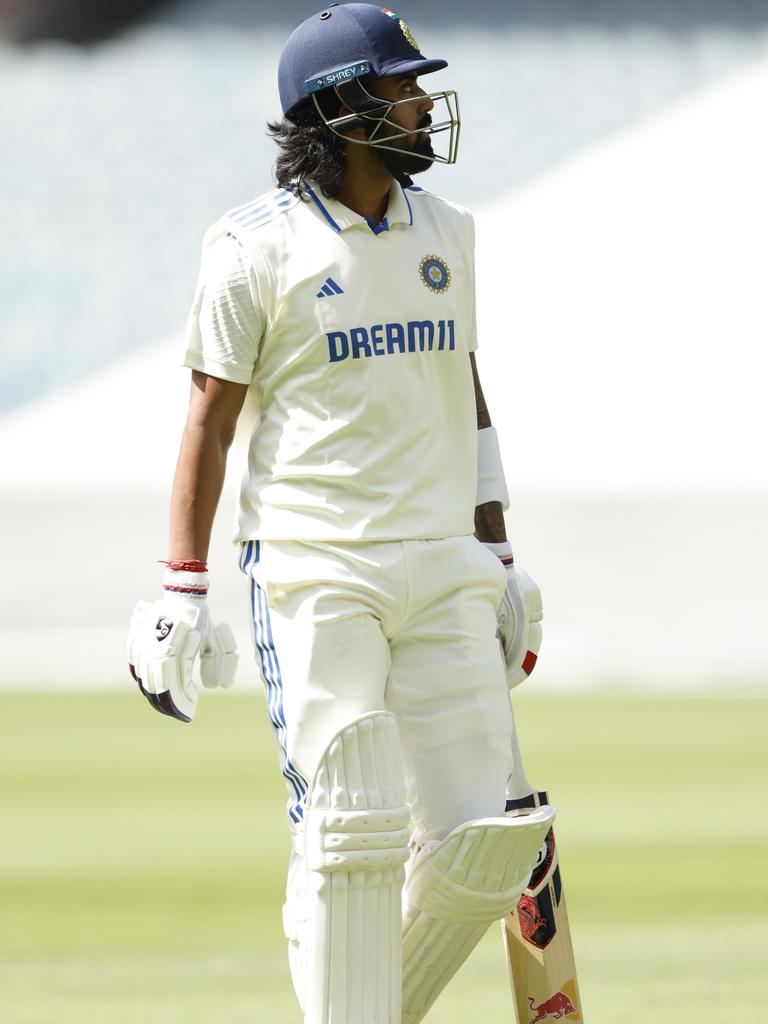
{"points": [[457, 889], [354, 848]]}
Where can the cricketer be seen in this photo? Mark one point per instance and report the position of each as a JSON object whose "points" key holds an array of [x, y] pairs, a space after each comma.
{"points": [[389, 618]]}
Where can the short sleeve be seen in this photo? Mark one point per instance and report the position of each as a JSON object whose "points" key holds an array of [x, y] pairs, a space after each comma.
{"points": [[226, 322]]}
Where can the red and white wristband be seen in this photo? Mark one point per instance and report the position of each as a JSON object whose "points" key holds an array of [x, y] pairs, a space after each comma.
{"points": [[502, 550], [186, 579]]}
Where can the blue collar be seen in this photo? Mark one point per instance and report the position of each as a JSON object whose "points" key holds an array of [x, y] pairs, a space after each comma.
{"points": [[377, 229], [340, 217]]}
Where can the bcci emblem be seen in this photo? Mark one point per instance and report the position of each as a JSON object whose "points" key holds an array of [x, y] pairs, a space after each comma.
{"points": [[403, 26], [434, 274]]}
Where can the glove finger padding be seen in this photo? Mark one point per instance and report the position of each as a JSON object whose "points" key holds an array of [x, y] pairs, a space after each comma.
{"points": [[519, 618], [218, 657], [162, 643]]}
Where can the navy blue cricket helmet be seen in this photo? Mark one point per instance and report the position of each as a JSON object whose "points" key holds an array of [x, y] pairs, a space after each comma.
{"points": [[343, 47]]}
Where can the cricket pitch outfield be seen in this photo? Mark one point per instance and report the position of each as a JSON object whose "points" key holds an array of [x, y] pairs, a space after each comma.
{"points": [[141, 861]]}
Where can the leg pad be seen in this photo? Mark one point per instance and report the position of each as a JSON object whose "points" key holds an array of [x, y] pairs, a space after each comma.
{"points": [[343, 910], [457, 889]]}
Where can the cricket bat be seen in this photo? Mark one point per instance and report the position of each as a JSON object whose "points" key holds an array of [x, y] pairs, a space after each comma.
{"points": [[536, 935]]}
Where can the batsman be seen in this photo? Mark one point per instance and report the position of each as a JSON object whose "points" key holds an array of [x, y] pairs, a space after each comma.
{"points": [[389, 619]]}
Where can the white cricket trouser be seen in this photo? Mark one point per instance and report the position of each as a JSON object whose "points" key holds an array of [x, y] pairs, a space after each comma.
{"points": [[342, 630]]}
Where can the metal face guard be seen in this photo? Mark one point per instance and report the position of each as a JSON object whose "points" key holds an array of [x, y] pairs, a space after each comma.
{"points": [[371, 112]]}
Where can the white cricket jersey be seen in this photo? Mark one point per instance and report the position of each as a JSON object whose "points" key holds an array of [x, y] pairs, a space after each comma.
{"points": [[357, 341]]}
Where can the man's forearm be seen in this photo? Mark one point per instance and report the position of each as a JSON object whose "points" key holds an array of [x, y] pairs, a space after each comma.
{"points": [[196, 491], [214, 407], [489, 523]]}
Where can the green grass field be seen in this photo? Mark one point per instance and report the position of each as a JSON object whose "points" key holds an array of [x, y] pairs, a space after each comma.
{"points": [[141, 862]]}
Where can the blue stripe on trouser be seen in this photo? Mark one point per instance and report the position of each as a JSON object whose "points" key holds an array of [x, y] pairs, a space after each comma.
{"points": [[270, 667]]}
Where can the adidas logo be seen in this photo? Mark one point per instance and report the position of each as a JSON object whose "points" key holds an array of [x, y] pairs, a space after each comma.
{"points": [[329, 289]]}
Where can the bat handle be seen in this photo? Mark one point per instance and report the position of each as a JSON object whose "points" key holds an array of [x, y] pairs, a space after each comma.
{"points": [[517, 785]]}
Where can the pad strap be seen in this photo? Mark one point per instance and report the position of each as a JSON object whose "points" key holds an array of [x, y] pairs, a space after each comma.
{"points": [[357, 840]]}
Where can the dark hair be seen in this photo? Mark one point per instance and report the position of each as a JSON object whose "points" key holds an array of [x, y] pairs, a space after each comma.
{"points": [[308, 150]]}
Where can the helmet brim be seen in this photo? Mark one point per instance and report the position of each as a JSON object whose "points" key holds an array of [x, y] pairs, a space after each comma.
{"points": [[408, 67]]}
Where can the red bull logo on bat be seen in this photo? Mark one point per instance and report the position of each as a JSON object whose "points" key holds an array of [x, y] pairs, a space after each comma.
{"points": [[561, 1004], [556, 1006]]}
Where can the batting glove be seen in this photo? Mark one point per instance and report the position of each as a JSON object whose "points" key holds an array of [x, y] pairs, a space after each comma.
{"points": [[519, 618], [166, 636]]}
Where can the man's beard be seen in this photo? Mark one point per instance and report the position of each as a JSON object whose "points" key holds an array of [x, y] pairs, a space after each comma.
{"points": [[418, 159]]}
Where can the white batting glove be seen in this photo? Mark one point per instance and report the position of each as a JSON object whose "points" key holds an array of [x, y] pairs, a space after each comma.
{"points": [[519, 617], [166, 636]]}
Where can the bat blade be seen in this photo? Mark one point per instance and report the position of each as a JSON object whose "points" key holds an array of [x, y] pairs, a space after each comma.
{"points": [[537, 937]]}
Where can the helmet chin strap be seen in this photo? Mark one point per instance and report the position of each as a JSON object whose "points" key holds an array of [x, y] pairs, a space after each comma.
{"points": [[390, 161], [402, 178]]}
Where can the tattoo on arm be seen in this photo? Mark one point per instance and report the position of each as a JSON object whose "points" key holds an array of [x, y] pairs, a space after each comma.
{"points": [[489, 523]]}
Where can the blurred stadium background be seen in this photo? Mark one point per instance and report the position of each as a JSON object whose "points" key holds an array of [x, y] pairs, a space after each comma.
{"points": [[615, 155]]}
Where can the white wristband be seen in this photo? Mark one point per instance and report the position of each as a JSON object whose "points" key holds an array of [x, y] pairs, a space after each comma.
{"points": [[491, 485], [502, 549], [185, 584]]}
